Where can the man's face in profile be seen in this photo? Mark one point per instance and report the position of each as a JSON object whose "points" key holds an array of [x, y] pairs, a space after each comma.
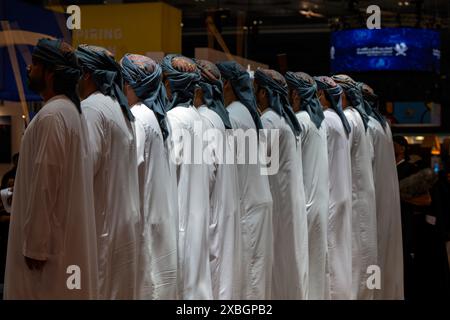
{"points": [[36, 76]]}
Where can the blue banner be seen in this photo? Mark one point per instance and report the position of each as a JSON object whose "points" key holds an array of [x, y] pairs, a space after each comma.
{"points": [[385, 49], [23, 16]]}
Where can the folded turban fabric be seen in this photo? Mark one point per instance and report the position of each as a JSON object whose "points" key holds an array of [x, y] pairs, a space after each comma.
{"points": [[353, 94], [184, 78], [277, 89], [371, 103], [145, 77], [105, 73], [334, 93], [212, 87], [306, 87], [242, 87], [61, 57]]}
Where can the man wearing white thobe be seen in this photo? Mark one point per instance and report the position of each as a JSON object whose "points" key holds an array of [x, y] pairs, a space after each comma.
{"points": [[254, 189], [181, 79], [364, 223], [157, 271], [290, 238], [387, 192], [116, 190], [225, 231], [340, 188], [314, 155], [52, 250]]}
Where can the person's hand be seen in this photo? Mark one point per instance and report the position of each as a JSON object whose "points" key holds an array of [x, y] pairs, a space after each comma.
{"points": [[34, 264]]}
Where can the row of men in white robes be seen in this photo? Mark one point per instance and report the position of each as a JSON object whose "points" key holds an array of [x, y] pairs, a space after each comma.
{"points": [[99, 192]]}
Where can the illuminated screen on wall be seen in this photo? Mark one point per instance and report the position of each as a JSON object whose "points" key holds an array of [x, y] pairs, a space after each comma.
{"points": [[385, 49]]}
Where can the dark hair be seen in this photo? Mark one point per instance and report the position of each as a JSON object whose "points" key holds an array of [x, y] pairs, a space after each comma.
{"points": [[61, 84], [326, 95], [401, 140]]}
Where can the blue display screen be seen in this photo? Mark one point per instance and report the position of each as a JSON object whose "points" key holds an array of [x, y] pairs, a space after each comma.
{"points": [[385, 49]]}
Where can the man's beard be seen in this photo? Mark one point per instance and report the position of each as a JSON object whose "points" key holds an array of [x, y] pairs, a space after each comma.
{"points": [[36, 84]]}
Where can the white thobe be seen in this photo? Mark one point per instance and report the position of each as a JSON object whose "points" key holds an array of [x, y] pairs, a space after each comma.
{"points": [[116, 195], [256, 212], [157, 271], [224, 224], [364, 223], [53, 210], [340, 208], [315, 180], [390, 247], [193, 203], [290, 229]]}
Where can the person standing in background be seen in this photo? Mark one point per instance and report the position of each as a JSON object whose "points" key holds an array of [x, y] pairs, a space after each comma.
{"points": [[7, 183]]}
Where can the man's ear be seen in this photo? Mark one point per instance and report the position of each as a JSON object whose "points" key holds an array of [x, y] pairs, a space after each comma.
{"points": [[166, 83], [226, 84], [126, 87], [295, 96], [198, 97], [264, 91], [291, 95], [85, 76]]}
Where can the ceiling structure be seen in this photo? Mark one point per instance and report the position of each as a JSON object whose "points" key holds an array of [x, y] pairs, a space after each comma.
{"points": [[297, 33], [286, 14]]}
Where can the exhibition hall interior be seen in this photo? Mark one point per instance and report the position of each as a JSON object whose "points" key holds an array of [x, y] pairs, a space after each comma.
{"points": [[323, 129]]}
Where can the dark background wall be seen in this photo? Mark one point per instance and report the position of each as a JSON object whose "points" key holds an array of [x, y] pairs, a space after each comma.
{"points": [[309, 52]]}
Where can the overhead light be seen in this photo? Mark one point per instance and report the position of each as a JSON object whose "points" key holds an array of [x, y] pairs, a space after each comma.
{"points": [[435, 151], [310, 14], [400, 3], [419, 138]]}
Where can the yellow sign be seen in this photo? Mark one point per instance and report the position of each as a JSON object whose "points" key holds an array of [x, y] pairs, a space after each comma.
{"points": [[130, 28]]}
